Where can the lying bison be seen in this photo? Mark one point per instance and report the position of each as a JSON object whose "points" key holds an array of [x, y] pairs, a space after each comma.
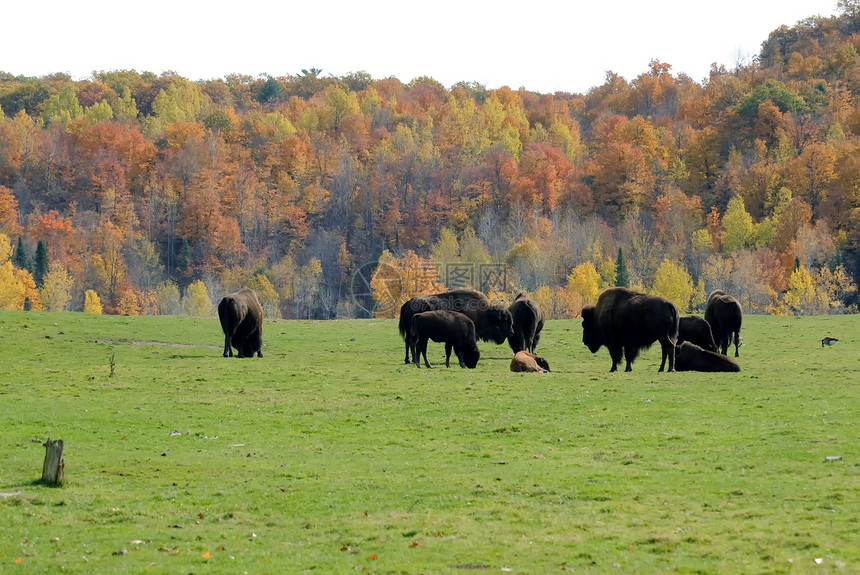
{"points": [[242, 321], [492, 322], [696, 330], [691, 357], [526, 361], [724, 314], [528, 323], [453, 329], [627, 321]]}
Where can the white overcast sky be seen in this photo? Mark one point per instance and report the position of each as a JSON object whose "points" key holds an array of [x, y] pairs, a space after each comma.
{"points": [[542, 45]]}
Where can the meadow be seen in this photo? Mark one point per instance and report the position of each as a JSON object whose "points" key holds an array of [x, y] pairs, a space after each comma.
{"points": [[329, 455]]}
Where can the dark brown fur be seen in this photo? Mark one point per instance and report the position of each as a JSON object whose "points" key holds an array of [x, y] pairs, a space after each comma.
{"points": [[528, 323], [492, 322], [242, 322], [696, 330], [691, 357], [453, 329], [725, 316], [526, 361], [626, 321]]}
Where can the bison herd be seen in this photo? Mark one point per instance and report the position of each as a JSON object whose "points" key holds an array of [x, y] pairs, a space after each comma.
{"points": [[623, 320]]}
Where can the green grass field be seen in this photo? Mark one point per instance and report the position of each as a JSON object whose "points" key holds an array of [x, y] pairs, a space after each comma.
{"points": [[329, 455]]}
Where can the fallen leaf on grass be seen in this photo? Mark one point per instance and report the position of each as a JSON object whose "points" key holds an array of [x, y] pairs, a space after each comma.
{"points": [[200, 516], [415, 544], [206, 555], [18, 561], [374, 557], [136, 542]]}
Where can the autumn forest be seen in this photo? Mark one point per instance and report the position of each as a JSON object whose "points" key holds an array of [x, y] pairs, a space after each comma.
{"points": [[136, 193]]}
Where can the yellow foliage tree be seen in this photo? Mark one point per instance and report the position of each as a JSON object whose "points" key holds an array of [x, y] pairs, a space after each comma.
{"points": [[396, 280], [56, 292], [585, 281], [197, 302], [801, 295], [674, 283], [167, 298], [92, 303], [11, 288], [268, 296]]}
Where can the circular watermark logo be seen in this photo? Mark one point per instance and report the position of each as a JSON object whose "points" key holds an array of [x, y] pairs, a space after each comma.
{"points": [[376, 288]]}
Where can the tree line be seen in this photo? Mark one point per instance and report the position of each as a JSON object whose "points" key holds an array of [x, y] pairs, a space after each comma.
{"points": [[147, 193]]}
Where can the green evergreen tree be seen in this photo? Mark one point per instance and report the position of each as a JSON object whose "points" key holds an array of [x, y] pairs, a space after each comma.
{"points": [[40, 264], [22, 262], [183, 263], [622, 277]]}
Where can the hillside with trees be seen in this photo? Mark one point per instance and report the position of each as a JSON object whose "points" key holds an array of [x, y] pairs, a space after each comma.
{"points": [[138, 193]]}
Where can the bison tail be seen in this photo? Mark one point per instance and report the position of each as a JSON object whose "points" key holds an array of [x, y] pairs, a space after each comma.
{"points": [[403, 325]]}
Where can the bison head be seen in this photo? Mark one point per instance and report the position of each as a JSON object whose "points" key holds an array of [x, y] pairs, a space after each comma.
{"points": [[542, 362], [592, 337], [500, 324], [471, 357]]}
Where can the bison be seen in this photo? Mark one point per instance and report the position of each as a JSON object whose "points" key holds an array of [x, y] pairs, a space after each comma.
{"points": [[453, 329], [242, 321], [492, 322], [526, 361], [696, 330], [627, 321], [724, 314], [691, 357], [528, 323]]}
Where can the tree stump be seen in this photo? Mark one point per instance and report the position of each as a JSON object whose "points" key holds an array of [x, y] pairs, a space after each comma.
{"points": [[54, 466]]}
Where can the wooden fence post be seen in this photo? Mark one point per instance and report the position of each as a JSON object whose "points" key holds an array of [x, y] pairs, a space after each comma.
{"points": [[54, 466]]}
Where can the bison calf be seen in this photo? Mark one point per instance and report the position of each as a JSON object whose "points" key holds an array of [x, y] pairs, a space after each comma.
{"points": [[626, 321], [526, 361], [696, 330], [724, 314], [691, 357], [528, 323], [241, 318], [452, 328]]}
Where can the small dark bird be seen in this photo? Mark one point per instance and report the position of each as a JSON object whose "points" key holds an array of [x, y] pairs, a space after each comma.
{"points": [[828, 341]]}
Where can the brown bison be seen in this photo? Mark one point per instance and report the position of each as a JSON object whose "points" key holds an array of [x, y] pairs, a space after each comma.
{"points": [[242, 321], [528, 323], [691, 357], [696, 330], [627, 321], [453, 329], [492, 322], [724, 314], [526, 361]]}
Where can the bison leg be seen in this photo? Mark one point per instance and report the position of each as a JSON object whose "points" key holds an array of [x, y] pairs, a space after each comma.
{"points": [[668, 348], [737, 343], [630, 354], [407, 341], [448, 347], [422, 348], [615, 353], [228, 346]]}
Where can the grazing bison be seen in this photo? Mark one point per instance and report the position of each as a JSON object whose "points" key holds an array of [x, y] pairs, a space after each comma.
{"points": [[526, 361], [528, 323], [453, 329], [627, 321], [691, 357], [696, 330], [492, 322], [724, 314], [242, 321]]}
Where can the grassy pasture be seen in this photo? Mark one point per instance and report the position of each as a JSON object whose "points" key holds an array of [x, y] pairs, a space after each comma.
{"points": [[331, 456]]}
